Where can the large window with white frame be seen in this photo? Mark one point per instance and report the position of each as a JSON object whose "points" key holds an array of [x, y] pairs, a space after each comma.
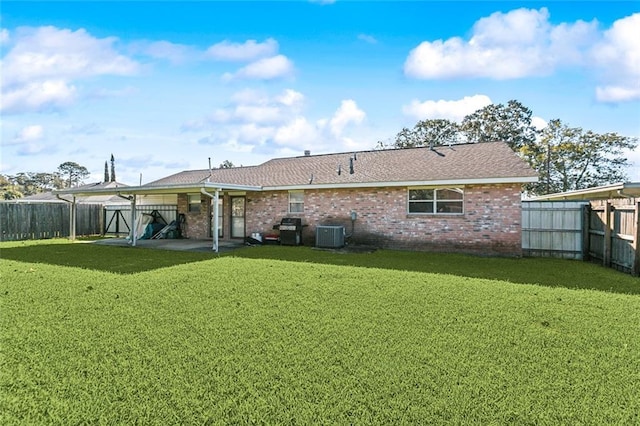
{"points": [[296, 202], [436, 201]]}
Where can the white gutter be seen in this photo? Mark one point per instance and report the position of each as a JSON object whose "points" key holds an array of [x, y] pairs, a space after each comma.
{"points": [[600, 192]]}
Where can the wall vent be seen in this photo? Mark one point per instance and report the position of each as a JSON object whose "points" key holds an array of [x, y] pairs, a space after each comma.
{"points": [[330, 236]]}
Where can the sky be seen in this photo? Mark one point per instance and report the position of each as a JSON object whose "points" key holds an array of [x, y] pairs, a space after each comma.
{"points": [[166, 86]]}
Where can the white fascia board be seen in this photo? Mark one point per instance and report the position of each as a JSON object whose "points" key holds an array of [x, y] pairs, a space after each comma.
{"points": [[448, 182], [616, 190]]}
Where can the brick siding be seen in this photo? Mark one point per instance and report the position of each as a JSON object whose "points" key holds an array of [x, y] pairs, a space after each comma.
{"points": [[490, 224], [196, 224]]}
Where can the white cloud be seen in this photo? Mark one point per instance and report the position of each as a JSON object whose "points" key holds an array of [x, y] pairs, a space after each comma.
{"points": [[618, 57], [367, 38], [347, 113], [290, 98], [29, 140], [4, 36], [264, 69], [42, 63], [259, 114], [172, 52], [31, 133], [49, 52], [510, 45], [451, 110], [38, 96], [296, 133], [247, 51], [538, 123], [275, 125]]}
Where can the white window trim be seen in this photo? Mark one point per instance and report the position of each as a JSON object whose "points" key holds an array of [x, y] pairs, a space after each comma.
{"points": [[435, 200], [189, 203], [301, 203]]}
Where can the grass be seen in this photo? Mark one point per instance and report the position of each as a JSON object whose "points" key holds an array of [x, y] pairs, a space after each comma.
{"points": [[106, 335]]}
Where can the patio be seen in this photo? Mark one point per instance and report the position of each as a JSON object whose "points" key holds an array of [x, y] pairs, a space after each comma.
{"points": [[182, 244]]}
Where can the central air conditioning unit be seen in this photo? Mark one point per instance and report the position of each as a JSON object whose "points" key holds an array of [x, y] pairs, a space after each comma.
{"points": [[330, 236]]}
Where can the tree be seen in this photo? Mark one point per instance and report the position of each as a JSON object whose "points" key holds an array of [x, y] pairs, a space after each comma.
{"points": [[569, 158], [226, 164], [430, 132], [106, 172], [566, 158], [73, 173], [510, 123], [113, 169], [8, 189]]}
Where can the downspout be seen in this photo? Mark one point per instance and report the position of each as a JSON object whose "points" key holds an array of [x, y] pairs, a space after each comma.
{"points": [[622, 194], [72, 216], [214, 201]]}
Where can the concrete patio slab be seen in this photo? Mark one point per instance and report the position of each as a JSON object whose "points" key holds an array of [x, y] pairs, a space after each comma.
{"points": [[173, 244]]}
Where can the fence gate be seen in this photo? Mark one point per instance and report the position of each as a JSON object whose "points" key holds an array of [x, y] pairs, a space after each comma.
{"points": [[117, 218], [554, 229], [613, 235]]}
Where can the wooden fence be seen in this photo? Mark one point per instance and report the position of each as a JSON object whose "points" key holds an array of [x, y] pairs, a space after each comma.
{"points": [[554, 229], [29, 221], [613, 234], [599, 231]]}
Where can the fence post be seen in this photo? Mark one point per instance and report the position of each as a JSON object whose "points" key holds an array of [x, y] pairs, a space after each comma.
{"points": [[586, 227], [606, 256], [635, 269]]}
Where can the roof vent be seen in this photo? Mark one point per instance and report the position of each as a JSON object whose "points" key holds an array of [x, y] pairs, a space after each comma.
{"points": [[307, 153]]}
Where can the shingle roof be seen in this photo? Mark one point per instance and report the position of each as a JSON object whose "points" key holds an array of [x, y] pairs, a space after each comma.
{"points": [[470, 162]]}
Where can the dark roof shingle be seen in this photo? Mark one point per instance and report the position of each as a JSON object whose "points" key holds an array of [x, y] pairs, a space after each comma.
{"points": [[472, 162]]}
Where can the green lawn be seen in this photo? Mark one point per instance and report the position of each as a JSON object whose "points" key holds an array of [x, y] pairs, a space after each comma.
{"points": [[110, 335]]}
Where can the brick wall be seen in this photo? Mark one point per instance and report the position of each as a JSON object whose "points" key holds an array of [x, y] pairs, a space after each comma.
{"points": [[490, 224], [196, 224]]}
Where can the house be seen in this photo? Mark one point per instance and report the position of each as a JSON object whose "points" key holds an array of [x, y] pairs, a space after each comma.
{"points": [[459, 198]]}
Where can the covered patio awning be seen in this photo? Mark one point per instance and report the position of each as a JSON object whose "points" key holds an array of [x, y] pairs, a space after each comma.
{"points": [[617, 190], [210, 189]]}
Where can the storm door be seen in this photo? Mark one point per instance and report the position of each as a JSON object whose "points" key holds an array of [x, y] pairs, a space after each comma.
{"points": [[220, 219], [237, 217]]}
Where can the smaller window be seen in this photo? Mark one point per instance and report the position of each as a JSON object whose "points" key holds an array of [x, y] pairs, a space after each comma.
{"points": [[194, 203], [296, 202]]}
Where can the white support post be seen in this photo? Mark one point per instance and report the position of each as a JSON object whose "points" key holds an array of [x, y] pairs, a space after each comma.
{"points": [[72, 219], [134, 235], [215, 220]]}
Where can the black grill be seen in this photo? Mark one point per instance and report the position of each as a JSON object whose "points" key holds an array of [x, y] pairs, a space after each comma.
{"points": [[290, 231]]}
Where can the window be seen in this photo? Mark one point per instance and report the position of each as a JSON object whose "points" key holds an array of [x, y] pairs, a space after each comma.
{"points": [[194, 203], [436, 201], [296, 202]]}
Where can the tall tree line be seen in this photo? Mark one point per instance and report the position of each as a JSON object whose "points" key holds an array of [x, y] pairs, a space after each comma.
{"points": [[67, 175], [566, 158]]}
